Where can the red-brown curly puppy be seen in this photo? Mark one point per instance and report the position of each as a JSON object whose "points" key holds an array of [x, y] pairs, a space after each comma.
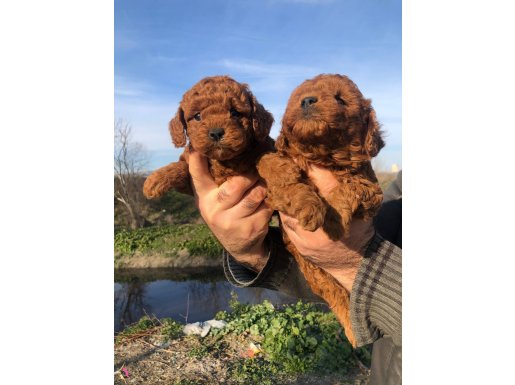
{"points": [[327, 123], [224, 122]]}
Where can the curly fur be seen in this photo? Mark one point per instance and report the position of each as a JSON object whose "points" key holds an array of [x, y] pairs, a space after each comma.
{"points": [[215, 102], [338, 131]]}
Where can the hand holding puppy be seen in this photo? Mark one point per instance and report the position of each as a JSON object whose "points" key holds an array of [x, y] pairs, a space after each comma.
{"points": [[340, 258], [234, 211]]}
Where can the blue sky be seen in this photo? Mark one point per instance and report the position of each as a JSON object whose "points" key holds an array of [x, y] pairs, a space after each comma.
{"points": [[162, 48]]}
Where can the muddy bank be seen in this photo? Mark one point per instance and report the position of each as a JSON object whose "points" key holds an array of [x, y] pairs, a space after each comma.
{"points": [[157, 260]]}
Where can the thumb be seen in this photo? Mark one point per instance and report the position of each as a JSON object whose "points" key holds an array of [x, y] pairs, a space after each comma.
{"points": [[323, 179], [201, 179]]}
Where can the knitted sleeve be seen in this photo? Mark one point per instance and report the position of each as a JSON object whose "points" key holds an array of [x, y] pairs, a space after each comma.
{"points": [[376, 298]]}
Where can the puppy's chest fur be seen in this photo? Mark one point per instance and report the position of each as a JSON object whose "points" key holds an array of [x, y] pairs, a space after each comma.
{"points": [[357, 188], [243, 164], [346, 166]]}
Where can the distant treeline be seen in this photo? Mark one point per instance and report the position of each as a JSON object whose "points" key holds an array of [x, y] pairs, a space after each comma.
{"points": [[173, 208]]}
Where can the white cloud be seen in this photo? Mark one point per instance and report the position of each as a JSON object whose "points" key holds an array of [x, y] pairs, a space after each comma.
{"points": [[122, 42], [167, 59], [272, 80], [261, 69], [149, 118], [127, 87]]}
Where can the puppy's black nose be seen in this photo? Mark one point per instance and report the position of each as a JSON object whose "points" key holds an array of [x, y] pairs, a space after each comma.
{"points": [[306, 102], [216, 134]]}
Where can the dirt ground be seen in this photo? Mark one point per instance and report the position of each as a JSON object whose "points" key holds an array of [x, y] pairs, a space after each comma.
{"points": [[190, 360]]}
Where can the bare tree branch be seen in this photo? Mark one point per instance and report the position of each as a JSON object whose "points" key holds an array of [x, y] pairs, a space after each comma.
{"points": [[130, 162]]}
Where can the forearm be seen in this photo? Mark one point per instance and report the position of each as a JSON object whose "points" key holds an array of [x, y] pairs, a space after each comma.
{"points": [[376, 299]]}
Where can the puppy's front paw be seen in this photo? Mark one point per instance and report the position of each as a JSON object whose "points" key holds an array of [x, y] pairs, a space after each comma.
{"points": [[153, 188], [333, 226], [312, 213]]}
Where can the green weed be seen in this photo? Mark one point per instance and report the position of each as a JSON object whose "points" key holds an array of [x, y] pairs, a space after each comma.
{"points": [[295, 338], [196, 239], [198, 351], [146, 326]]}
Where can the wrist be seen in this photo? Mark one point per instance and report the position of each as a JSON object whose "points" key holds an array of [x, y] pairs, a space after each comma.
{"points": [[254, 260], [345, 277], [346, 274]]}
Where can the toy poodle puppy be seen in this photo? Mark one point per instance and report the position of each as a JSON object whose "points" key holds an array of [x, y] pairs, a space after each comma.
{"points": [[223, 121], [327, 123]]}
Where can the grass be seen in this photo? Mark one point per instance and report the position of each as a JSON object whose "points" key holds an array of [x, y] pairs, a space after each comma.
{"points": [[169, 240], [146, 326], [198, 351]]}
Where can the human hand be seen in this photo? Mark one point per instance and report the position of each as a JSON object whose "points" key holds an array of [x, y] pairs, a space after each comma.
{"points": [[340, 258], [235, 212]]}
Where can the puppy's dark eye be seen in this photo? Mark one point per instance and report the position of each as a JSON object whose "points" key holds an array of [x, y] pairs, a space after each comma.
{"points": [[234, 113], [197, 116], [340, 100]]}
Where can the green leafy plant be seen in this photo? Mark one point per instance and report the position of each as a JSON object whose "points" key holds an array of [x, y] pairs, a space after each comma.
{"points": [[170, 328], [255, 371], [295, 338], [198, 351], [196, 239], [150, 325], [139, 328]]}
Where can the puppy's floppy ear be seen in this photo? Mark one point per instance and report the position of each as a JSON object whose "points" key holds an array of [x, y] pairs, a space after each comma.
{"points": [[177, 129], [373, 142], [262, 120], [281, 144]]}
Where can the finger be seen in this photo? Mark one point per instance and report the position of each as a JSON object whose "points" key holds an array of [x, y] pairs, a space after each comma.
{"points": [[290, 227], [251, 200], [261, 217], [265, 211], [290, 223], [233, 189], [296, 233], [201, 178]]}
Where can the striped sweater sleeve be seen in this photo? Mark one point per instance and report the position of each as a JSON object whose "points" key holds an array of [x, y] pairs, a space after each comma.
{"points": [[376, 298]]}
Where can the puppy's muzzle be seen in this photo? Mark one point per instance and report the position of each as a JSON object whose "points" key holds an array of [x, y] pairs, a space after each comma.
{"points": [[307, 102], [216, 134]]}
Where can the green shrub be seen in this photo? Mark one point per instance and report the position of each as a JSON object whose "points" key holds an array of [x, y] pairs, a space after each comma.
{"points": [[181, 206], [146, 325], [170, 328], [196, 239], [198, 351], [143, 325], [256, 371]]}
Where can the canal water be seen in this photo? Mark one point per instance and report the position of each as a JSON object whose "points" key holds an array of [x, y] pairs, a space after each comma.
{"points": [[181, 294]]}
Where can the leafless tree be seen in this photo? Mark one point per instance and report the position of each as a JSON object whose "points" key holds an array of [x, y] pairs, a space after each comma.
{"points": [[130, 161]]}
